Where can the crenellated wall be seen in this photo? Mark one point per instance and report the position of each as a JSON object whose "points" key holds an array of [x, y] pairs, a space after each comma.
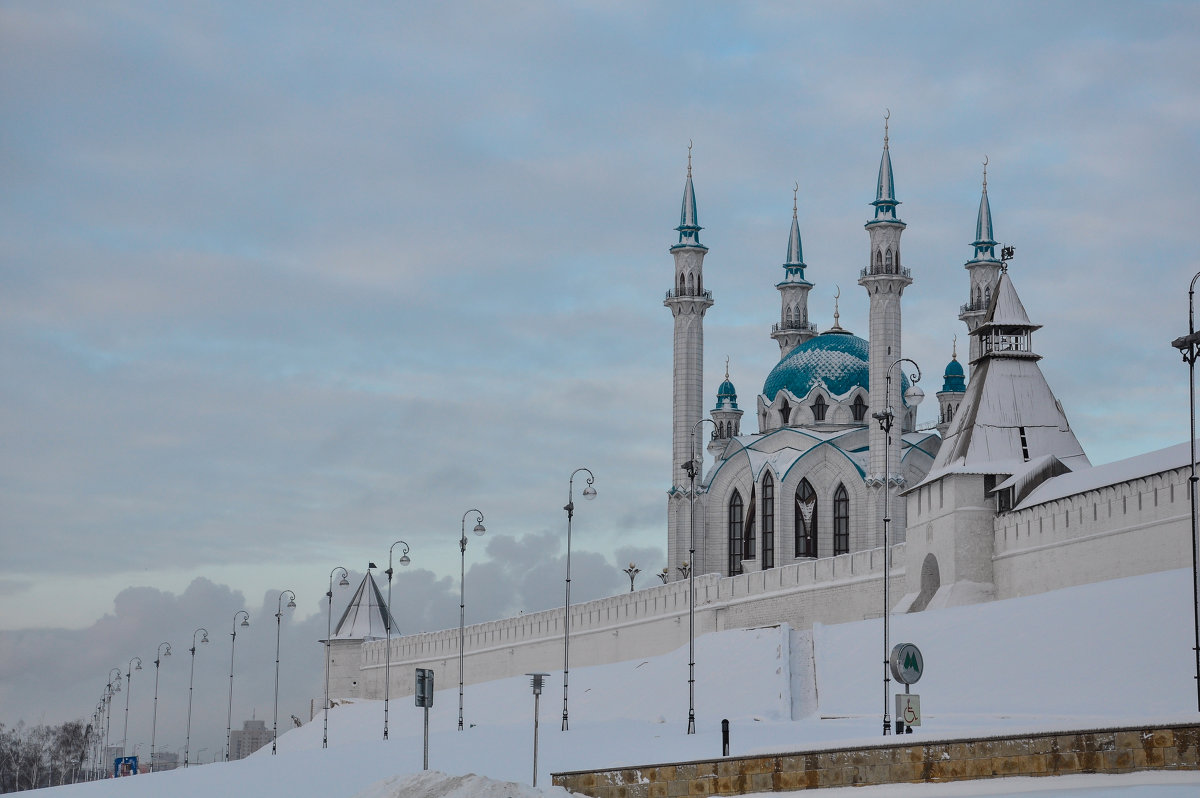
{"points": [[1130, 528], [644, 623]]}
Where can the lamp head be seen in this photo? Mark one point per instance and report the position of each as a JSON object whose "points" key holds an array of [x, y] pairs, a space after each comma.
{"points": [[291, 605], [479, 529], [344, 582], [246, 621], [405, 560], [139, 666], [589, 492], [204, 639], [914, 395]]}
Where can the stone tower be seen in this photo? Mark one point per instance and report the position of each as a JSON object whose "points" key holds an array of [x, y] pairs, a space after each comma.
{"points": [[984, 270], [794, 327], [687, 301], [885, 279]]}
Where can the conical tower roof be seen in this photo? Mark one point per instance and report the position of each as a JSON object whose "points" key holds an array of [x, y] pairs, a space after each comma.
{"points": [[366, 615]]}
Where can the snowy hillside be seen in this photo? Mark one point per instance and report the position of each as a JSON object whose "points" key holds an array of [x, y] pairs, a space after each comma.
{"points": [[1103, 654]]}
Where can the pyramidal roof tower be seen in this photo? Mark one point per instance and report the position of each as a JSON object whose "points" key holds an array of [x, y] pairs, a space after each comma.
{"points": [[1009, 417], [366, 616]]}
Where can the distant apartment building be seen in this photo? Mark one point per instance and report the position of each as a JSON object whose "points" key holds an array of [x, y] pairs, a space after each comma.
{"points": [[253, 735]]}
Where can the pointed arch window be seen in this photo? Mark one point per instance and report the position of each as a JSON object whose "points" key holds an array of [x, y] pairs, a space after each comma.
{"points": [[768, 524], [841, 521], [749, 536], [859, 408], [691, 285], [878, 257], [887, 259], [818, 409], [987, 295], [681, 284], [785, 412], [735, 533], [787, 317], [806, 520]]}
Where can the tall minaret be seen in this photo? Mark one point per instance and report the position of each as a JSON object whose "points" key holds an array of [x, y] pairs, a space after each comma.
{"points": [[984, 269], [794, 327], [688, 302], [885, 280]]}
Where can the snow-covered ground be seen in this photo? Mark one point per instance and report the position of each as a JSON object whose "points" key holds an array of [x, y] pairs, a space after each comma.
{"points": [[1106, 654]]}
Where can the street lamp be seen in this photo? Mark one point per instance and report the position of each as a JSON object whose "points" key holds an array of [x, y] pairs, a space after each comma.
{"points": [[232, 644], [128, 673], [387, 663], [588, 493], [154, 723], [887, 481], [187, 746], [693, 467], [664, 575], [632, 571], [344, 582], [462, 605], [114, 687], [278, 623], [1189, 347]]}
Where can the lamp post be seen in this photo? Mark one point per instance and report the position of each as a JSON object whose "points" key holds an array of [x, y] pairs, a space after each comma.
{"points": [[886, 482], [129, 669], [387, 656], [187, 746], [1189, 347], [632, 571], [462, 605], [588, 493], [114, 687], [344, 582], [232, 644], [154, 723], [278, 623], [693, 467]]}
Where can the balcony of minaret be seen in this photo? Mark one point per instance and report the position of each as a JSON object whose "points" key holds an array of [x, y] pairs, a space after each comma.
{"points": [[685, 294], [885, 269], [796, 325], [978, 306]]}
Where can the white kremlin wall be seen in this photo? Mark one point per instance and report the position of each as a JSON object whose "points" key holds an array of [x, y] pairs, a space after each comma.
{"points": [[1102, 531]]}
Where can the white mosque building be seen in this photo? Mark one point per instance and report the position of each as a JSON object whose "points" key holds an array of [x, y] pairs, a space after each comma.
{"points": [[798, 522]]}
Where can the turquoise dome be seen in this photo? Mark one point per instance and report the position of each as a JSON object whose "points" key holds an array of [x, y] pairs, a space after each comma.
{"points": [[955, 379], [838, 359], [726, 396]]}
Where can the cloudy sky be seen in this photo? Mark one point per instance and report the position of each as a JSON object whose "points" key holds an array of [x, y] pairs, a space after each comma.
{"points": [[281, 284]]}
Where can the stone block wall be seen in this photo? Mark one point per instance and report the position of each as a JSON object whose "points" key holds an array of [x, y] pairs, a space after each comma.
{"points": [[1121, 750]]}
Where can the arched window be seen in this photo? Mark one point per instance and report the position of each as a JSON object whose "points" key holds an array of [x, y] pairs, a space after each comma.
{"points": [[806, 520], [768, 530], [749, 539], [681, 285], [987, 296], [787, 317], [785, 412], [818, 409], [859, 408], [691, 286], [735, 534], [978, 296], [887, 259], [878, 258], [841, 521]]}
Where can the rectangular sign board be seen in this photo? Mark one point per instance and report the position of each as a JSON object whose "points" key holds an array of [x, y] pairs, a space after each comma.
{"points": [[908, 709], [424, 692], [125, 766]]}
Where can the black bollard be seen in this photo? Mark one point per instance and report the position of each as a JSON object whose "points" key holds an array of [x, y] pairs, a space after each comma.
{"points": [[725, 737]]}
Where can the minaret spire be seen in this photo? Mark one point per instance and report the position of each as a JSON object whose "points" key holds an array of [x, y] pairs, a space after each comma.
{"points": [[793, 328], [689, 227], [984, 269], [885, 192]]}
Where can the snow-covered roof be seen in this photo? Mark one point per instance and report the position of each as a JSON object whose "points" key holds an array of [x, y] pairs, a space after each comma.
{"points": [[366, 614], [1006, 309], [1085, 479]]}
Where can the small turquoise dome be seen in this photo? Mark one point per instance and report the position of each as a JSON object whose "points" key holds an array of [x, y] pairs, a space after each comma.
{"points": [[955, 380], [837, 358], [726, 396]]}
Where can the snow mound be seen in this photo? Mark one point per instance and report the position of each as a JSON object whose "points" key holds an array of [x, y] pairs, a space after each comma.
{"points": [[433, 784]]}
